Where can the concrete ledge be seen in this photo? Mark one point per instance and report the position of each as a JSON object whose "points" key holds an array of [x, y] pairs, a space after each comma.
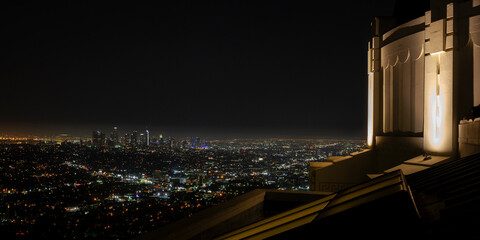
{"points": [[434, 160], [359, 152], [468, 137], [418, 163], [374, 175], [238, 212], [220, 215], [466, 149], [294, 196], [320, 164], [407, 169], [343, 172], [393, 151], [336, 159]]}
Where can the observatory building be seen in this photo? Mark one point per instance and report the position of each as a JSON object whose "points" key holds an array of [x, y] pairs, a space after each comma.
{"points": [[423, 96]]}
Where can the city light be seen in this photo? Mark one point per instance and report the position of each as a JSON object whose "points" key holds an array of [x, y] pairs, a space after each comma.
{"points": [[71, 180]]}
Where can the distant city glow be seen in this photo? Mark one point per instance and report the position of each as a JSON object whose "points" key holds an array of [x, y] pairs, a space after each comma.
{"points": [[133, 177]]}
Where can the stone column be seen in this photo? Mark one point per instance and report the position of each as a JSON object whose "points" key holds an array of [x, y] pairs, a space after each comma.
{"points": [[438, 108], [374, 85]]}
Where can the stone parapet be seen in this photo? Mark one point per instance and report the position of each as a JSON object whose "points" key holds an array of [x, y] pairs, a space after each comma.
{"points": [[469, 137]]}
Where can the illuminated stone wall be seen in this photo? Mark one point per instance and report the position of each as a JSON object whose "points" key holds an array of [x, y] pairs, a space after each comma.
{"points": [[475, 37], [403, 84], [425, 81], [374, 73], [469, 137], [439, 85]]}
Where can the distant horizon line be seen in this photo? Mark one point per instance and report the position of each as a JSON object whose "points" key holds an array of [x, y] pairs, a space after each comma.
{"points": [[212, 132], [33, 137]]}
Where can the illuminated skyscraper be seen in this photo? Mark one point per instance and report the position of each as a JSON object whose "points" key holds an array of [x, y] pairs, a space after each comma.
{"points": [[98, 138], [125, 140], [134, 138], [115, 136], [142, 139], [148, 137]]}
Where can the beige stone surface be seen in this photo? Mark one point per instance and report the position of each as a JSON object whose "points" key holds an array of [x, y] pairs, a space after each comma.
{"points": [[434, 160], [403, 77], [320, 164], [407, 169], [333, 158], [439, 105], [437, 36], [450, 26], [474, 29], [469, 138], [450, 7], [375, 175], [449, 42], [428, 17]]}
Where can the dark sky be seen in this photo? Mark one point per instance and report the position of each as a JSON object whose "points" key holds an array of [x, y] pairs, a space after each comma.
{"points": [[187, 67]]}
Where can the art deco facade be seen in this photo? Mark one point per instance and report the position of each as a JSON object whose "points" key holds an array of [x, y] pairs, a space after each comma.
{"points": [[423, 82]]}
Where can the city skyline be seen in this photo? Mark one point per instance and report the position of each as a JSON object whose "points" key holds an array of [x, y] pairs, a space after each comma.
{"points": [[250, 68], [32, 130]]}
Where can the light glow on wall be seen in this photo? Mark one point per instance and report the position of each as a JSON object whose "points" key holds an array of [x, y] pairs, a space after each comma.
{"points": [[438, 112], [437, 128], [370, 110], [436, 53], [437, 101], [437, 132]]}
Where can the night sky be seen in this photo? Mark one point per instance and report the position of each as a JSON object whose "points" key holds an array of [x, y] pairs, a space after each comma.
{"points": [[207, 68]]}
